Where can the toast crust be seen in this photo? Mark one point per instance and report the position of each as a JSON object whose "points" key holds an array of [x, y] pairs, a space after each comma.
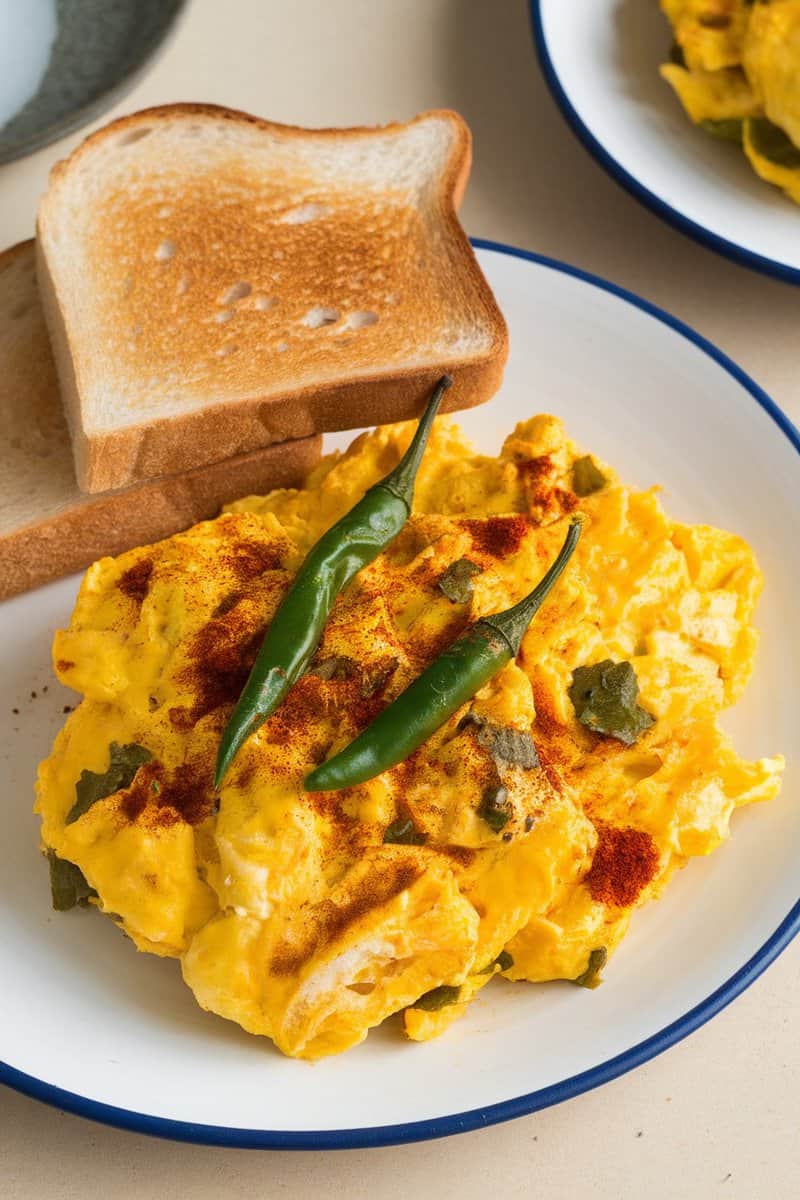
{"points": [[107, 525], [290, 409], [73, 529]]}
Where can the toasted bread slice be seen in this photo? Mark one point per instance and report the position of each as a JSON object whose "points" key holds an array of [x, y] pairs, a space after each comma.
{"points": [[214, 282], [47, 526]]}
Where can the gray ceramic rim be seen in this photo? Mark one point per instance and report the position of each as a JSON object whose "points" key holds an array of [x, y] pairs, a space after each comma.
{"points": [[87, 113]]}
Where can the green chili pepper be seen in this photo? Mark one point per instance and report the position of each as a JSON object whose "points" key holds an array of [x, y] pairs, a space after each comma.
{"points": [[772, 143], [450, 681], [295, 630], [438, 997], [729, 129]]}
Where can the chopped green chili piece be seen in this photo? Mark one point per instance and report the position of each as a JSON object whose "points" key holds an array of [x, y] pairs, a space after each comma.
{"points": [[456, 581], [439, 997], [505, 743], [587, 477], [676, 55], [68, 885], [590, 978], [503, 962], [338, 666], [494, 808], [371, 684], [770, 141], [515, 746], [403, 833], [92, 786], [604, 697], [729, 129]]}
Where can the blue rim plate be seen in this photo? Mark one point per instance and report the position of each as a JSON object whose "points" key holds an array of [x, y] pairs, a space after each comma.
{"points": [[672, 213], [769, 937]]}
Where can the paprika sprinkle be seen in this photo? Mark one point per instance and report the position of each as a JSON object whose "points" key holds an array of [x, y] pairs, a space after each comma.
{"points": [[625, 861]]}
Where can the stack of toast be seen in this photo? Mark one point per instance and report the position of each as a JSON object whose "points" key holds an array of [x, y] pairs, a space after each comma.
{"points": [[207, 294]]}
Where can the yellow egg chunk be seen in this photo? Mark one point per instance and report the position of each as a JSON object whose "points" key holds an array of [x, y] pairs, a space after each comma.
{"points": [[771, 59], [309, 918], [709, 32], [712, 95], [736, 71]]}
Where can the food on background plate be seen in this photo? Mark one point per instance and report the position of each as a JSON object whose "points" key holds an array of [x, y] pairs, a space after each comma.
{"points": [[214, 283], [517, 840], [736, 70], [48, 527]]}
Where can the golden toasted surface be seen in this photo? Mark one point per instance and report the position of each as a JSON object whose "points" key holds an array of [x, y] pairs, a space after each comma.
{"points": [[205, 288], [291, 913]]}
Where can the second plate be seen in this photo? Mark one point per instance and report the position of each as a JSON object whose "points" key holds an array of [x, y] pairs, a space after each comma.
{"points": [[601, 60]]}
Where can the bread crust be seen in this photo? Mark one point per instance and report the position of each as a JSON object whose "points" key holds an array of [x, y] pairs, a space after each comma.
{"points": [[109, 524], [212, 432]]}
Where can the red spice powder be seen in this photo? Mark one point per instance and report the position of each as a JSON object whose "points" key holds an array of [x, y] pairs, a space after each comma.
{"points": [[330, 920], [222, 654], [498, 536], [181, 795], [135, 582], [464, 856], [429, 644], [536, 468], [312, 698], [567, 501], [249, 559], [624, 863], [544, 496]]}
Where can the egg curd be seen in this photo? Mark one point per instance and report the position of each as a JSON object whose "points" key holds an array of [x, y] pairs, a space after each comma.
{"points": [[736, 70], [309, 918]]}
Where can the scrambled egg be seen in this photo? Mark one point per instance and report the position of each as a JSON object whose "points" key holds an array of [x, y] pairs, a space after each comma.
{"points": [[289, 911], [737, 73]]}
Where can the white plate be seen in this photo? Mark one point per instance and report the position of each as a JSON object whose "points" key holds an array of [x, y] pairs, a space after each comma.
{"points": [[601, 59], [89, 1025]]}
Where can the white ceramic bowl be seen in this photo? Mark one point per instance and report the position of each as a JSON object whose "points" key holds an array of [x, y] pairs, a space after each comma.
{"points": [[89, 1025], [601, 59]]}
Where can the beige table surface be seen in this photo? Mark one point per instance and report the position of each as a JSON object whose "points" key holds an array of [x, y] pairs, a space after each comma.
{"points": [[718, 1114]]}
